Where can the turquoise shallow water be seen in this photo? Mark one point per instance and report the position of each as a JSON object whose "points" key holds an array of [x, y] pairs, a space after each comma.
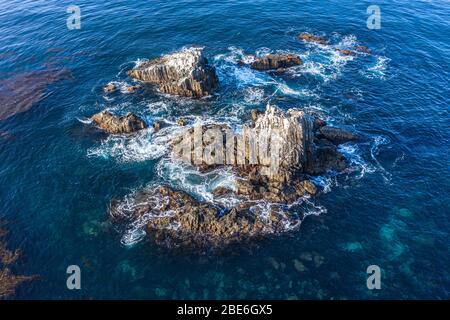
{"points": [[58, 175]]}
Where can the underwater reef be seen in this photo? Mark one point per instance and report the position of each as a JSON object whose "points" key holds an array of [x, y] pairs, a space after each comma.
{"points": [[8, 280]]}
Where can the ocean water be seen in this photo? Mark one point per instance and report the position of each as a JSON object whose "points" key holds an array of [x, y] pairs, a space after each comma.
{"points": [[58, 174]]}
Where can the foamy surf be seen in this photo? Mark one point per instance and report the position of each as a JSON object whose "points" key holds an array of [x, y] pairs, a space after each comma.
{"points": [[129, 148]]}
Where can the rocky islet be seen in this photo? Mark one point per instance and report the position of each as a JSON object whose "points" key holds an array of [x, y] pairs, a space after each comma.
{"points": [[173, 218]]}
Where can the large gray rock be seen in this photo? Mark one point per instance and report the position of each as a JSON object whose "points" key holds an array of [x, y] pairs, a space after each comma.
{"points": [[279, 176], [118, 124], [184, 73]]}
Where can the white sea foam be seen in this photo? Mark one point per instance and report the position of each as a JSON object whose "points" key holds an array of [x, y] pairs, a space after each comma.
{"points": [[356, 162], [123, 87], [374, 150], [129, 148], [85, 120], [185, 177], [378, 70]]}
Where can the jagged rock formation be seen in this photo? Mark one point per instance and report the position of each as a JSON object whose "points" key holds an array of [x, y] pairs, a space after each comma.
{"points": [[184, 73], [276, 61], [118, 124], [312, 38], [279, 146], [301, 146], [192, 223], [273, 156]]}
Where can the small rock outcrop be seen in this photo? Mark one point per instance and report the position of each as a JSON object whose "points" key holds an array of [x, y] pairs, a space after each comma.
{"points": [[118, 124], [184, 73], [110, 87], [337, 135], [276, 61], [312, 38], [346, 52], [360, 48]]}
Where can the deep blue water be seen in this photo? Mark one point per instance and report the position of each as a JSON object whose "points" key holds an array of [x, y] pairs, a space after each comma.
{"points": [[58, 175]]}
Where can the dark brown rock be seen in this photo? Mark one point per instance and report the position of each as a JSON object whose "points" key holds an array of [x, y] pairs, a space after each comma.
{"points": [[118, 124], [157, 126], [362, 49], [220, 191], [276, 62], [192, 223], [322, 155], [337, 135], [132, 89], [318, 123], [184, 73], [312, 38], [346, 52], [110, 87]]}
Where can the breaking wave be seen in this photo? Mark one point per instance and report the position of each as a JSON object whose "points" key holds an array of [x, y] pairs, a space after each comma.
{"points": [[129, 148]]}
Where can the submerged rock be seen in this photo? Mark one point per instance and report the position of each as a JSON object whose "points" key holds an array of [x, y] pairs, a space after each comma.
{"points": [[299, 266], [23, 90], [276, 61], [346, 52], [118, 124], [312, 38], [362, 49], [184, 73], [157, 125]]}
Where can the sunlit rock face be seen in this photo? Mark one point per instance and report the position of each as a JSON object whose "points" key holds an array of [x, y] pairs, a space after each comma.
{"points": [[184, 73], [273, 156], [118, 124]]}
